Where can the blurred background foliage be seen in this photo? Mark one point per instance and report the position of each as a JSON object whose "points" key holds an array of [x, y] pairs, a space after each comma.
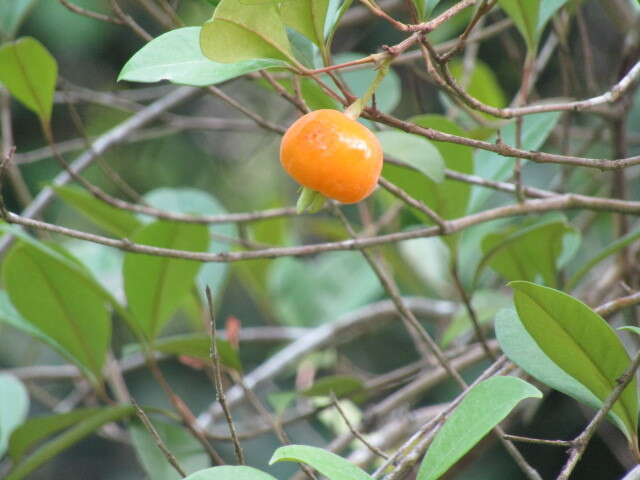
{"points": [[235, 171]]}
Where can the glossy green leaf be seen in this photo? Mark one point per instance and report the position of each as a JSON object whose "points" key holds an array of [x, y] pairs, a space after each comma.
{"points": [[197, 345], [245, 31], [335, 11], [388, 93], [612, 248], [524, 14], [13, 408], [312, 292], [580, 342], [59, 302], [328, 464], [65, 440], [230, 472], [339, 385], [535, 130], [522, 349], [417, 152], [448, 198], [29, 72], [484, 407], [486, 303], [198, 202], [527, 253], [12, 14], [156, 286], [113, 220], [176, 56], [307, 17], [188, 451], [482, 84], [38, 429]]}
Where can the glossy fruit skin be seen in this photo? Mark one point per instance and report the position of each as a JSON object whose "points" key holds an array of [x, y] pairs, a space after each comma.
{"points": [[330, 153]]}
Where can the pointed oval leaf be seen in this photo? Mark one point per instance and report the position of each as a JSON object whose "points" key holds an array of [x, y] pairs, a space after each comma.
{"points": [[245, 31], [415, 151], [113, 220], [29, 72], [67, 439], [580, 342], [61, 303], [484, 407], [176, 56], [13, 408], [156, 286], [307, 17], [328, 464], [188, 451], [521, 348], [230, 472], [524, 14]]}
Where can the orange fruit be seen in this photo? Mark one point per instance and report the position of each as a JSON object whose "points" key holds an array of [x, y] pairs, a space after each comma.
{"points": [[330, 153]]}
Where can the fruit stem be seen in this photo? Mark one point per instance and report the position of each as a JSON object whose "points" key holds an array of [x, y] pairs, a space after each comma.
{"points": [[354, 110], [309, 201]]}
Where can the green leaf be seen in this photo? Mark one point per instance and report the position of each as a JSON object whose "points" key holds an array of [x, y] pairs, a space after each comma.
{"points": [[484, 407], [336, 9], [340, 385], [389, 91], [245, 31], [486, 303], [60, 303], [12, 14], [67, 439], [230, 472], [448, 198], [113, 220], [328, 464], [13, 407], [614, 247], [312, 292], [524, 14], [192, 201], [535, 130], [580, 342], [547, 9], [156, 286], [415, 151], [521, 348], [29, 72], [529, 253], [37, 429], [188, 451], [198, 345], [307, 17], [176, 56], [482, 83]]}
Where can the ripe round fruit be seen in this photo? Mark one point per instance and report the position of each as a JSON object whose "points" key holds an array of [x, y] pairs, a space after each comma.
{"points": [[330, 153]]}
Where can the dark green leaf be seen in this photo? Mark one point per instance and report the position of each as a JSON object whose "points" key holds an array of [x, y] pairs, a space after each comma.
{"points": [[39, 428], [484, 407], [113, 220], [12, 14], [529, 253], [156, 286], [521, 348], [188, 451], [176, 56], [13, 408], [328, 464], [230, 472], [53, 447], [339, 385], [580, 342], [417, 152], [245, 31], [61, 303], [29, 72]]}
